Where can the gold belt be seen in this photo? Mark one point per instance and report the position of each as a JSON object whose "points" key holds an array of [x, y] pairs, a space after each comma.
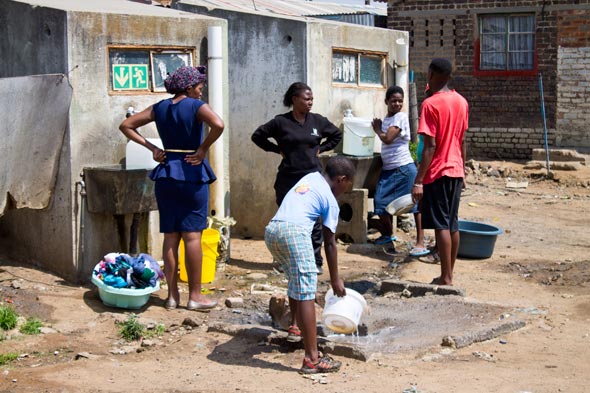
{"points": [[179, 151]]}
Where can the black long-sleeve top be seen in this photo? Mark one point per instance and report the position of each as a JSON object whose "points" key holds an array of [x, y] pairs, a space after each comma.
{"points": [[298, 143]]}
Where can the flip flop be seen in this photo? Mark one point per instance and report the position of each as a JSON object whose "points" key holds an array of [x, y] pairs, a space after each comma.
{"points": [[385, 239], [419, 251]]}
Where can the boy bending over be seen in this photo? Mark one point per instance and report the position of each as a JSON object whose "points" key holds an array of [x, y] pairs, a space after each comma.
{"points": [[288, 239]]}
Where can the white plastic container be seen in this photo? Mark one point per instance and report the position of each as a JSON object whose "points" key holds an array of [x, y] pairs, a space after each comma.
{"points": [[343, 314], [138, 157], [400, 205], [359, 137]]}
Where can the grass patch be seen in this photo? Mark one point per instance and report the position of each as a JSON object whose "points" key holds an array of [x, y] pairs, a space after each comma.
{"points": [[31, 326], [158, 331], [8, 318], [6, 358], [131, 329]]}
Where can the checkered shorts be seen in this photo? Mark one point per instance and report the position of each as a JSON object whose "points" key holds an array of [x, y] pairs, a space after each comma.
{"points": [[291, 246]]}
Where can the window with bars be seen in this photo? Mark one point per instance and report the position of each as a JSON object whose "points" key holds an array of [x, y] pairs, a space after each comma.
{"points": [[507, 42], [355, 68]]}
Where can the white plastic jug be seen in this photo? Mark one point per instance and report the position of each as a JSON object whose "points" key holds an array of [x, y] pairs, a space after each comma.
{"points": [[343, 314], [359, 137], [138, 157]]}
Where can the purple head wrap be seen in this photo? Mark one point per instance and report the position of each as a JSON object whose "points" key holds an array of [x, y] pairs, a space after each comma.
{"points": [[185, 77]]}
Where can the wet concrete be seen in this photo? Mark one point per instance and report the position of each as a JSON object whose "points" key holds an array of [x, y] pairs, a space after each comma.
{"points": [[392, 324]]}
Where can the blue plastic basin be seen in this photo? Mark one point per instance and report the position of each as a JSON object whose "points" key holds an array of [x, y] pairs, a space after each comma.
{"points": [[477, 239]]}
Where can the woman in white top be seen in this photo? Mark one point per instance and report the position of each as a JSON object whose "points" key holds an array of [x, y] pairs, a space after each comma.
{"points": [[399, 170]]}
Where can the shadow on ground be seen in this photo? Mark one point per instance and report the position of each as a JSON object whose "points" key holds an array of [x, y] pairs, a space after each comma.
{"points": [[241, 351]]}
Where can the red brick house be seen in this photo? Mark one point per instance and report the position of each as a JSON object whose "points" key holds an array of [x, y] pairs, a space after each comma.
{"points": [[498, 49]]}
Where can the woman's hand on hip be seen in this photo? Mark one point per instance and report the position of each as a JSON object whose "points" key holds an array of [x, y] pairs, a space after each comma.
{"points": [[159, 154], [196, 158]]}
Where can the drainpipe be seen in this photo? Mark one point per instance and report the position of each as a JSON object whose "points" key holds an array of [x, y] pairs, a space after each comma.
{"points": [[401, 66], [215, 82]]}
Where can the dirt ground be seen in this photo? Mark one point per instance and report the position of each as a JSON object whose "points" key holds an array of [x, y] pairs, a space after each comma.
{"points": [[540, 269]]}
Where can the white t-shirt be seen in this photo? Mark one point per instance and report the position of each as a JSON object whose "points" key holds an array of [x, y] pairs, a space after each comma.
{"points": [[309, 199], [397, 153]]}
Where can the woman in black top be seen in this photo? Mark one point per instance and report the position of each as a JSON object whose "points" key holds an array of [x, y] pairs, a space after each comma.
{"points": [[298, 135]]}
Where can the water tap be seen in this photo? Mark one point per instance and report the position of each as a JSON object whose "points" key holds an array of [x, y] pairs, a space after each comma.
{"points": [[348, 112], [130, 111]]}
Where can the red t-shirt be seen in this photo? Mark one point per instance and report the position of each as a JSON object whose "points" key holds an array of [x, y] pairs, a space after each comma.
{"points": [[444, 116]]}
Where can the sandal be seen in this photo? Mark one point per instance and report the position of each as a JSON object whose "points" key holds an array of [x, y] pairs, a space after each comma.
{"points": [[294, 334], [419, 251], [196, 306], [170, 304], [385, 239], [325, 364]]}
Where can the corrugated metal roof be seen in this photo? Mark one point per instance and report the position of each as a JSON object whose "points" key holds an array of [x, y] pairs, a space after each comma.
{"points": [[290, 7]]}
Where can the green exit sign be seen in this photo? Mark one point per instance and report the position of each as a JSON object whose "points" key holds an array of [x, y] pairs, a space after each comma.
{"points": [[130, 76]]}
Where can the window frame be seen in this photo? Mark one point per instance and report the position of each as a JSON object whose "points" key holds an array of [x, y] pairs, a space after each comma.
{"points": [[477, 71], [150, 50], [384, 56]]}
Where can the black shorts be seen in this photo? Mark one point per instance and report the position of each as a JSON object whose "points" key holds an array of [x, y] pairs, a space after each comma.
{"points": [[440, 204]]}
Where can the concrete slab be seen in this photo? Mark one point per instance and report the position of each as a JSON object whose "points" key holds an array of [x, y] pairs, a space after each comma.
{"points": [[390, 325], [567, 155], [419, 289], [483, 334]]}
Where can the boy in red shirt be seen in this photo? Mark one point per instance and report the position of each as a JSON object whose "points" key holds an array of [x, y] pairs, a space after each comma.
{"points": [[443, 122]]}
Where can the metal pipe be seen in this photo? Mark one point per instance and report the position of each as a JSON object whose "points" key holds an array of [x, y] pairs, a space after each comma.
{"points": [[544, 124], [82, 185]]}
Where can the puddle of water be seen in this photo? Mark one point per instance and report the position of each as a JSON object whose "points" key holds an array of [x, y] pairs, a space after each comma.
{"points": [[395, 325]]}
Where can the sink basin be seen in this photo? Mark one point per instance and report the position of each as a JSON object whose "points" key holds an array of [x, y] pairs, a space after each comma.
{"points": [[116, 190], [367, 170]]}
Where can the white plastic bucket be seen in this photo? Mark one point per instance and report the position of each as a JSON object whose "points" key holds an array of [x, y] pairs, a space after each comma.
{"points": [[343, 314], [138, 157], [359, 137]]}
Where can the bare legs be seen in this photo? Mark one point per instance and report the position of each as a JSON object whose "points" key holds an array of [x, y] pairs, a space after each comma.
{"points": [[447, 243], [385, 224], [419, 230], [293, 308], [193, 260], [305, 310], [194, 266], [170, 255]]}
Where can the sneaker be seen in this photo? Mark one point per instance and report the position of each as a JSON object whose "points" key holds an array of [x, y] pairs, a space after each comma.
{"points": [[320, 269], [325, 364], [294, 334]]}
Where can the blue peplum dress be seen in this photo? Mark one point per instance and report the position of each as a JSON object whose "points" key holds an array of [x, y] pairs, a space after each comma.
{"points": [[182, 189]]}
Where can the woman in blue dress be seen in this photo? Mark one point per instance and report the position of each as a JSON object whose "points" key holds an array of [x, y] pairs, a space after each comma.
{"points": [[183, 175]]}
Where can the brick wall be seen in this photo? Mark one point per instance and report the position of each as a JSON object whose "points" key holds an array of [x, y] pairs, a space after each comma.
{"points": [[573, 76], [498, 104], [506, 143]]}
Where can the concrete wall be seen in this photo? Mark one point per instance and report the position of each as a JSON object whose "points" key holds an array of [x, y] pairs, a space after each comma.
{"points": [[41, 237], [267, 54], [96, 116], [500, 105], [39, 49], [53, 238], [331, 100]]}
